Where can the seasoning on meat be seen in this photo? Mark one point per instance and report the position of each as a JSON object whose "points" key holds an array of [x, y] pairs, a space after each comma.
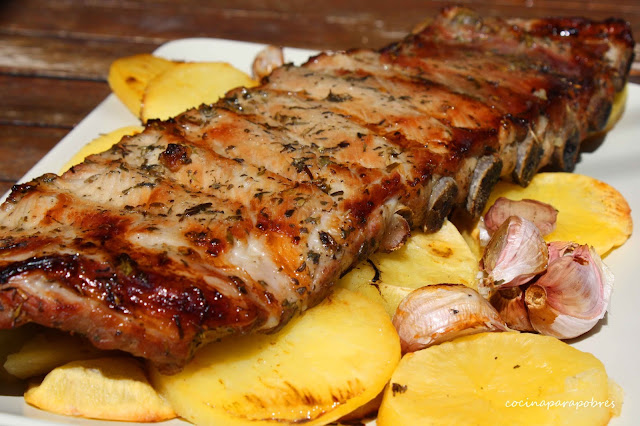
{"points": [[233, 217]]}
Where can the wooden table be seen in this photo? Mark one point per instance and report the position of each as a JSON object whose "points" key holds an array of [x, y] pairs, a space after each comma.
{"points": [[55, 55]]}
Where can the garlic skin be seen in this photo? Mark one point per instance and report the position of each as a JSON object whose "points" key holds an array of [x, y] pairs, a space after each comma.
{"points": [[436, 313], [558, 249], [509, 302], [573, 295], [516, 253], [543, 215]]}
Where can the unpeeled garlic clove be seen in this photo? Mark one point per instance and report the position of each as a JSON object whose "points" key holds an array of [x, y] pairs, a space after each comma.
{"points": [[543, 215], [516, 253], [573, 295], [436, 313], [509, 302]]}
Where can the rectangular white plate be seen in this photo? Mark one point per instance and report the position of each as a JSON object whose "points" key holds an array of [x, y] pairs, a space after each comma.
{"points": [[616, 162]]}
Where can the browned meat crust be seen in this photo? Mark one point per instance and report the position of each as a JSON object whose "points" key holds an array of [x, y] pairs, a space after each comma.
{"points": [[232, 217]]}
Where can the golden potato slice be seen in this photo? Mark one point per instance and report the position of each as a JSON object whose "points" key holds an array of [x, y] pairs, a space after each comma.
{"points": [[365, 279], [47, 350], [11, 341], [101, 144], [322, 365], [435, 258], [103, 388], [128, 77], [190, 85], [499, 379], [589, 211], [471, 234], [439, 257]]}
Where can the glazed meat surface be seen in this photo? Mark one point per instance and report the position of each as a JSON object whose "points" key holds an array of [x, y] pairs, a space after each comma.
{"points": [[233, 217]]}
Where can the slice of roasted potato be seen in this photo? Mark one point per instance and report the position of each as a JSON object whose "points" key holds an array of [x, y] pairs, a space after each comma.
{"points": [[322, 365], [103, 388], [100, 144], [499, 379], [11, 341], [47, 350], [188, 85], [128, 77], [589, 211], [439, 257], [365, 279]]}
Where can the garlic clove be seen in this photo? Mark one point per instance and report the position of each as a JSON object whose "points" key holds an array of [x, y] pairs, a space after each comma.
{"points": [[436, 313], [543, 215], [509, 302], [573, 295], [516, 253]]}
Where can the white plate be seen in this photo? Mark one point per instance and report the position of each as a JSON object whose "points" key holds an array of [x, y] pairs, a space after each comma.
{"points": [[616, 162]]}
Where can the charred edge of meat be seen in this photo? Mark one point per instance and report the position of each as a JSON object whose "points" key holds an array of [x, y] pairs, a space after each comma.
{"points": [[599, 119], [528, 160], [175, 156], [485, 175], [622, 67], [441, 201], [20, 190], [45, 263], [566, 157], [620, 79]]}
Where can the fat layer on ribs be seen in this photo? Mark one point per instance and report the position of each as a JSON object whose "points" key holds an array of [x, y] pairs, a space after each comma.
{"points": [[233, 217]]}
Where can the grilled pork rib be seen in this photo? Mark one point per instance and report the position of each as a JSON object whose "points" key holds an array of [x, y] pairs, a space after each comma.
{"points": [[233, 217]]}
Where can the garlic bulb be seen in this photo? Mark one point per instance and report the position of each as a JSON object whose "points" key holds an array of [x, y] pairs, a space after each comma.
{"points": [[509, 302], [516, 253], [573, 295], [437, 313]]}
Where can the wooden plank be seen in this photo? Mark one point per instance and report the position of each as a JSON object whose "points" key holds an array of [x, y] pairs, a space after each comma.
{"points": [[48, 102], [330, 24], [79, 38], [155, 25], [5, 186], [56, 57], [131, 13], [50, 57], [21, 148]]}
